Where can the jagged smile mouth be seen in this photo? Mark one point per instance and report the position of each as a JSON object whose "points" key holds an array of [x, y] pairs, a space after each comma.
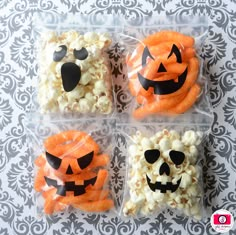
{"points": [[70, 186], [163, 87], [163, 187]]}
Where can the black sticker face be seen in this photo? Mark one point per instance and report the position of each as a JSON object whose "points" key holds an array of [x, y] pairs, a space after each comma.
{"points": [[53, 161], [152, 156], [175, 50], [85, 160], [163, 187], [59, 54], [177, 157], [163, 87], [69, 186], [70, 74], [146, 54], [81, 54]]}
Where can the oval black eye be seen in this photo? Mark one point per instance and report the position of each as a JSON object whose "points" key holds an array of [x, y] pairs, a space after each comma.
{"points": [[59, 54], [81, 54], [176, 157], [152, 155]]}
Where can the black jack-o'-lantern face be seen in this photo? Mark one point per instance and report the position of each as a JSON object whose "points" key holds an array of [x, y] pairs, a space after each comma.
{"points": [[70, 72], [69, 167], [151, 157], [162, 87]]}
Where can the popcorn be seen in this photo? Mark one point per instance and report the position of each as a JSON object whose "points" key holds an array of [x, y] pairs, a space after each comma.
{"points": [[74, 73], [165, 175]]}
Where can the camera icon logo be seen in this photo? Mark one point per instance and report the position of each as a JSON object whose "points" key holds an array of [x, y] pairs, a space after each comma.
{"points": [[222, 221]]}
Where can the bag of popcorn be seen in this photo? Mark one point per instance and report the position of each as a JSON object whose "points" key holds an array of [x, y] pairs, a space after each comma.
{"points": [[163, 169], [74, 73]]}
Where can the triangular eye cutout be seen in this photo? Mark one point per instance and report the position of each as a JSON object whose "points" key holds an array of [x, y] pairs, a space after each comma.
{"points": [[53, 161], [146, 54], [85, 160], [152, 155], [176, 157], [161, 68]]}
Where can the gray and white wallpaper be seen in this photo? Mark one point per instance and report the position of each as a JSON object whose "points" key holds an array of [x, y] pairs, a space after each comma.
{"points": [[18, 75]]}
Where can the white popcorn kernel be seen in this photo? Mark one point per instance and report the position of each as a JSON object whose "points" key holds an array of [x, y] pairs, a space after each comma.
{"points": [[136, 198], [191, 138], [178, 145], [132, 150], [129, 208], [85, 78], [76, 94], [158, 196], [146, 143], [91, 37], [185, 180], [104, 104], [164, 144], [84, 105], [174, 135], [58, 68]]}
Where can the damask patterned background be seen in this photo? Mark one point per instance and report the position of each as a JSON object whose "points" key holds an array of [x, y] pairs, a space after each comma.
{"points": [[17, 85]]}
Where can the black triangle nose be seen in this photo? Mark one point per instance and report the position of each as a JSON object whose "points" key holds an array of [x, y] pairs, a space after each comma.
{"points": [[69, 170], [164, 169], [161, 68]]}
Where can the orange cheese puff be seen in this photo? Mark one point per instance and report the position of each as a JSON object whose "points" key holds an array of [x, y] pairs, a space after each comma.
{"points": [[96, 206], [164, 36], [188, 101]]}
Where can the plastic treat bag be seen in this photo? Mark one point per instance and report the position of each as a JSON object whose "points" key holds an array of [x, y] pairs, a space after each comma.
{"points": [[164, 67], [72, 165], [74, 68], [163, 169]]}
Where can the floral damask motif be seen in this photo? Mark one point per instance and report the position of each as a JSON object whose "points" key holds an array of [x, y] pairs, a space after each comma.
{"points": [[20, 178], [214, 49], [3, 231], [9, 208], [30, 225], [223, 143], [21, 15], [216, 178], [15, 140], [135, 9], [222, 82], [72, 226], [161, 226], [5, 113], [221, 14], [230, 111]]}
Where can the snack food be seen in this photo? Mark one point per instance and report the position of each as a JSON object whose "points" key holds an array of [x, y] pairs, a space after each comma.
{"points": [[163, 72], [163, 172], [71, 173], [74, 73]]}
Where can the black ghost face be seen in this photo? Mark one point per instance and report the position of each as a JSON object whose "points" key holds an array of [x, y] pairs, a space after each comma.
{"points": [[151, 157], [56, 163], [162, 87], [70, 72]]}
